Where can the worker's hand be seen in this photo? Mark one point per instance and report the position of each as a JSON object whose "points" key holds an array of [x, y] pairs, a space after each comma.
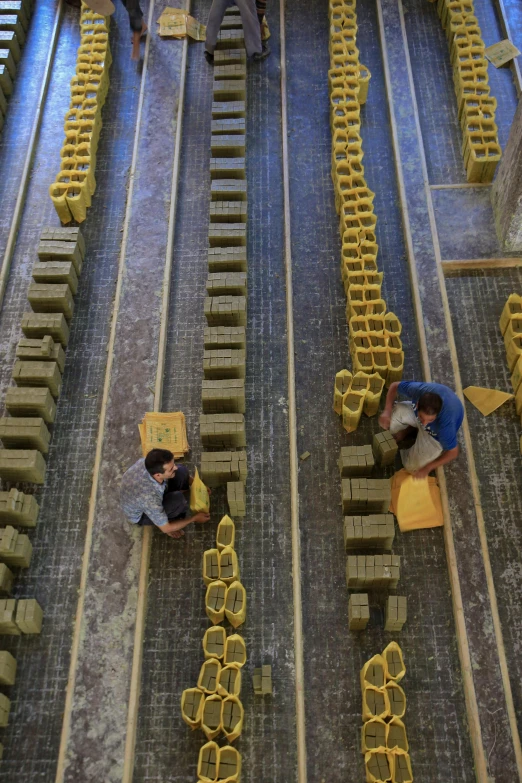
{"points": [[385, 419], [201, 517], [176, 534], [209, 491], [422, 473]]}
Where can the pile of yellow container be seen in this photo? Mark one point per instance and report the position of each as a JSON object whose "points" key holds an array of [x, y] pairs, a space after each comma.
{"points": [[476, 107], [214, 705], [74, 186], [511, 328], [374, 333], [383, 740]]}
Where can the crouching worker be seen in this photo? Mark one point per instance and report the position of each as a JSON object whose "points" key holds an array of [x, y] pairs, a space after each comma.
{"points": [[153, 492], [425, 426]]}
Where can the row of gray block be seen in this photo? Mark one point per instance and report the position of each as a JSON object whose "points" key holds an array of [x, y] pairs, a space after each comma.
{"points": [[14, 21]]}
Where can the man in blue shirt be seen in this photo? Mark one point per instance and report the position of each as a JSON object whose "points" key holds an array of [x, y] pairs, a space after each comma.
{"points": [[152, 493], [426, 426]]}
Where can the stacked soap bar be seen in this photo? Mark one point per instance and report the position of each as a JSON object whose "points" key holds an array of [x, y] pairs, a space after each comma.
{"points": [[375, 531], [476, 107], [358, 611], [384, 448], [365, 496], [396, 612], [374, 347], [262, 680], [40, 357], [220, 467], [372, 571], [356, 461], [15, 548], [22, 616], [18, 509], [72, 190], [15, 16]]}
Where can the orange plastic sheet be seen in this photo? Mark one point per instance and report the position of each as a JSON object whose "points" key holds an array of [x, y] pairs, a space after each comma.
{"points": [[486, 400], [416, 503]]}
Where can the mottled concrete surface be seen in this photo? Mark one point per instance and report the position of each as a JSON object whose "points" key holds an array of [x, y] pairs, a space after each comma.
{"points": [[477, 610], [96, 741]]}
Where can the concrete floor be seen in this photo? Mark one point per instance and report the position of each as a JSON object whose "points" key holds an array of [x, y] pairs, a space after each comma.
{"points": [[165, 749]]}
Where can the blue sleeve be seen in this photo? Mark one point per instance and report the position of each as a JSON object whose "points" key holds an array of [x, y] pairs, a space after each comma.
{"points": [[412, 389]]}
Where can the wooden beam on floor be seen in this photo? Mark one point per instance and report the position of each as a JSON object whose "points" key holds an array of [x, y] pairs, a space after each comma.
{"points": [[468, 264]]}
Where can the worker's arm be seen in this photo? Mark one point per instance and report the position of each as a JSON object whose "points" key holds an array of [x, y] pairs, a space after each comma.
{"points": [[179, 524], [445, 457], [385, 417]]}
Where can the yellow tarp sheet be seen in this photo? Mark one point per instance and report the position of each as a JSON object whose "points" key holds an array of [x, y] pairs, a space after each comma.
{"points": [[486, 400], [415, 503], [164, 431]]}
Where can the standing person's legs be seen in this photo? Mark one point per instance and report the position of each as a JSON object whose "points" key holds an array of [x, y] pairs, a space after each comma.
{"points": [[137, 25], [215, 17], [251, 28]]}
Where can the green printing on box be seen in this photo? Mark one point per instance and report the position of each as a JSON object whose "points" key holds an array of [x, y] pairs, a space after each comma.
{"points": [[9, 40], [15, 548], [375, 531], [225, 310], [358, 611], [51, 298], [19, 509], [37, 401], [224, 363], [236, 498], [363, 495], [229, 56], [224, 396], [223, 283], [8, 626], [36, 325], [6, 579], [7, 668], [43, 350], [227, 145], [229, 125], [220, 467], [226, 234], [5, 706], [22, 465], [11, 22], [227, 188], [35, 374], [227, 168], [216, 337], [222, 430], [29, 616], [228, 211], [384, 448], [356, 461], [56, 272], [222, 110], [372, 571], [28, 433], [395, 612], [227, 259]]}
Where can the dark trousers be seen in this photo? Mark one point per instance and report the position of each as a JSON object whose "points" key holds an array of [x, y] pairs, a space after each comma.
{"points": [[174, 501], [135, 14], [251, 29]]}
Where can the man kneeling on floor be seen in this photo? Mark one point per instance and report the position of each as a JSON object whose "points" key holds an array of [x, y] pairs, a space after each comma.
{"points": [[153, 493], [425, 426]]}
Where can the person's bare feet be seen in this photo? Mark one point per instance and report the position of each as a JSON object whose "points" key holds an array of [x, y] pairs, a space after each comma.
{"points": [[136, 38]]}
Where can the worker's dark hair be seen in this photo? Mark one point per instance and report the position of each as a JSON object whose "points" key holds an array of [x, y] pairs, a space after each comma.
{"points": [[430, 403], [156, 459]]}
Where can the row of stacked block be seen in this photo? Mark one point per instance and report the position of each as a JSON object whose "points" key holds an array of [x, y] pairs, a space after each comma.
{"points": [[396, 609], [222, 423], [374, 334], [476, 107], [40, 357], [384, 742], [72, 190], [511, 329], [14, 21], [214, 705]]}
